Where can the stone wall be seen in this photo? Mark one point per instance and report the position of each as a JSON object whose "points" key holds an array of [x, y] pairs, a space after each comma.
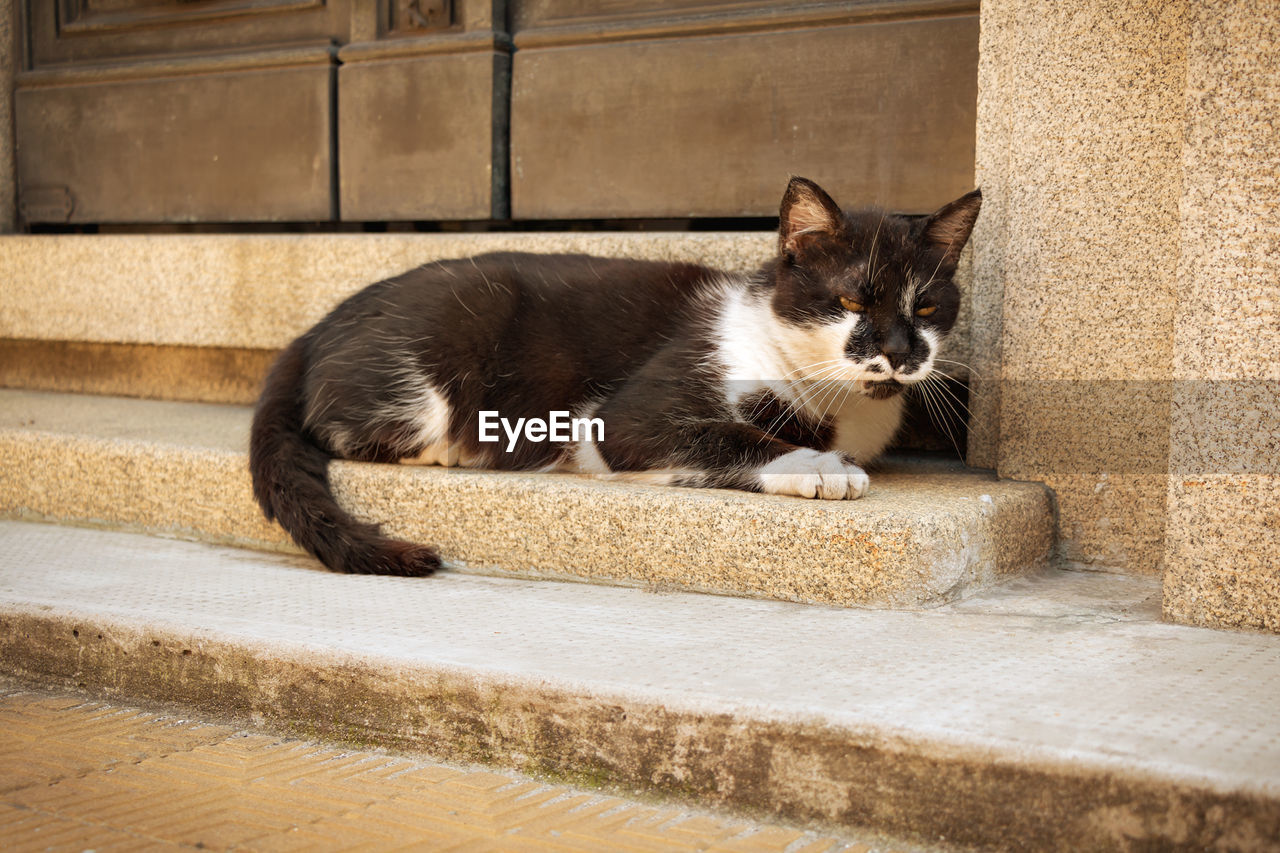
{"points": [[1127, 259]]}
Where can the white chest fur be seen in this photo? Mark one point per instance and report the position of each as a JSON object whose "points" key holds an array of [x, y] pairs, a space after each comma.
{"points": [[864, 427], [759, 352]]}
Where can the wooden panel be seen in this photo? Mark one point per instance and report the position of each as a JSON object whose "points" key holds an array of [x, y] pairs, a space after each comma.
{"points": [[67, 31], [225, 145], [687, 15], [881, 111], [87, 16], [532, 13], [422, 135]]}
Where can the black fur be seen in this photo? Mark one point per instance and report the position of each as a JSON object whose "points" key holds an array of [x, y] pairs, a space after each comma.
{"points": [[291, 483]]}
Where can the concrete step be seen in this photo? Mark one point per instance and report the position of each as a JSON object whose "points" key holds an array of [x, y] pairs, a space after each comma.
{"points": [[1056, 713], [928, 532]]}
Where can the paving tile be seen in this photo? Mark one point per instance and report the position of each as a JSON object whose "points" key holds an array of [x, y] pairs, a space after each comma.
{"points": [[103, 777], [26, 830], [60, 737]]}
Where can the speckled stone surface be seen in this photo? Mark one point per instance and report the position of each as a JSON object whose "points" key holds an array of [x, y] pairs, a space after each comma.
{"points": [[261, 291], [8, 45], [986, 251], [927, 532], [200, 374], [1130, 159], [1053, 714], [1079, 155], [1223, 550]]}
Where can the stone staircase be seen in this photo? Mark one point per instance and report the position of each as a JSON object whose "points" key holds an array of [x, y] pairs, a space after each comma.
{"points": [[906, 662]]}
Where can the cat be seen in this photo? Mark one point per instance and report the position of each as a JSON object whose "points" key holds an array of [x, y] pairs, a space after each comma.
{"points": [[785, 381]]}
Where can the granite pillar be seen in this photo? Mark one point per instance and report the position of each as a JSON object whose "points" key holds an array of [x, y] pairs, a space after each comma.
{"points": [[1222, 556], [1080, 119]]}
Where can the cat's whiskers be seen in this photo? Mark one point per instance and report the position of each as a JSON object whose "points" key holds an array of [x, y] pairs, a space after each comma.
{"points": [[936, 371], [948, 398], [957, 405], [937, 376], [817, 404], [971, 371], [831, 392], [933, 408], [820, 387], [805, 368], [809, 377], [871, 260], [817, 387]]}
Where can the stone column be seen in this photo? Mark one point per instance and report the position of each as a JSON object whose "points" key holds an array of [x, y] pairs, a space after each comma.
{"points": [[8, 67], [1129, 255], [1080, 121], [1222, 560]]}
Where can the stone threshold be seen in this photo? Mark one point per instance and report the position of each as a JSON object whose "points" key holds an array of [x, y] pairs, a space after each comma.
{"points": [[928, 532], [260, 291], [1055, 713]]}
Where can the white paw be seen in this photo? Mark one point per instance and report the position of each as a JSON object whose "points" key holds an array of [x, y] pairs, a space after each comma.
{"points": [[811, 474]]}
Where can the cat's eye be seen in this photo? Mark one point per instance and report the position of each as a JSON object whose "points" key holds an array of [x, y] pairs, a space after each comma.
{"points": [[926, 311], [851, 304]]}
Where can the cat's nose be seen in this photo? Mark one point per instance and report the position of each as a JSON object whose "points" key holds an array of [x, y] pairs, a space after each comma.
{"points": [[896, 348]]}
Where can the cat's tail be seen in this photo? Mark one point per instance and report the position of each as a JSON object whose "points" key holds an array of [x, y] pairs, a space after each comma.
{"points": [[291, 483]]}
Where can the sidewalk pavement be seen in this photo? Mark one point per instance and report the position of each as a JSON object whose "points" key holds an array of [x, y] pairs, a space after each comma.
{"points": [[79, 774]]}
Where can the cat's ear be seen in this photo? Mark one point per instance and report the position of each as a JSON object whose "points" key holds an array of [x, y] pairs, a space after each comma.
{"points": [[948, 229], [806, 209]]}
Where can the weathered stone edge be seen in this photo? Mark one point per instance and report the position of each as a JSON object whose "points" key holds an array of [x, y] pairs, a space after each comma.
{"points": [[794, 768], [554, 527]]}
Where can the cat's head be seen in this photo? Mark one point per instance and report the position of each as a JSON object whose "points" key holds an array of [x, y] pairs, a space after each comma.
{"points": [[866, 296]]}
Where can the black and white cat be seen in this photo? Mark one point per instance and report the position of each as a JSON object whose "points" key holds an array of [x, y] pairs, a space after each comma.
{"points": [[780, 382]]}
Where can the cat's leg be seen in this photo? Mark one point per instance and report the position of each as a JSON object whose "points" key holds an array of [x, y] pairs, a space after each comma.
{"points": [[675, 416], [735, 455], [745, 457]]}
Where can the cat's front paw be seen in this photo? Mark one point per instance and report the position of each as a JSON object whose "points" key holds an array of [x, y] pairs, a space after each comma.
{"points": [[811, 474]]}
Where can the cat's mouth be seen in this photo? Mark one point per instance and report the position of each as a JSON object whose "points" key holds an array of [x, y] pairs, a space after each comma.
{"points": [[881, 389]]}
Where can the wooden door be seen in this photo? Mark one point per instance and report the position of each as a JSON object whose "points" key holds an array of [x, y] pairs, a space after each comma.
{"points": [[319, 111], [160, 111], [641, 108]]}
